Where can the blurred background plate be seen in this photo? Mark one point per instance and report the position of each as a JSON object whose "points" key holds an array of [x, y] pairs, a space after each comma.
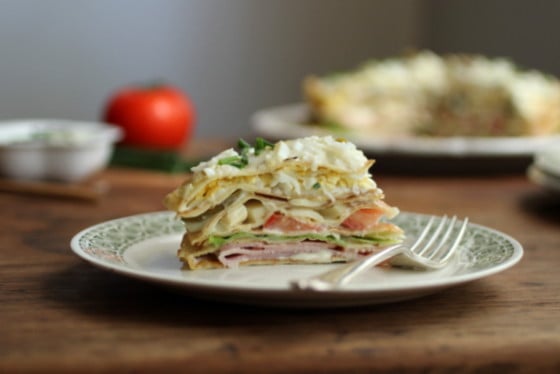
{"points": [[545, 170], [547, 181], [548, 161], [453, 154]]}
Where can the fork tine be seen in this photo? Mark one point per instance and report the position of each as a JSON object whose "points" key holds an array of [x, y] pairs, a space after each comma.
{"points": [[434, 236], [458, 239], [423, 234], [435, 252]]}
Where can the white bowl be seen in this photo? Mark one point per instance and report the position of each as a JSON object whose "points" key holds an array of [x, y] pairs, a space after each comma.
{"points": [[51, 149]]}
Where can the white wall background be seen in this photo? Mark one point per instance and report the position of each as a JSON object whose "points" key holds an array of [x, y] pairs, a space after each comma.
{"points": [[528, 31], [62, 58]]}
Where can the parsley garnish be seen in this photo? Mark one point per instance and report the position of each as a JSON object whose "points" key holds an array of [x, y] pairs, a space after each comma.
{"points": [[237, 161], [243, 145], [261, 144], [244, 149]]}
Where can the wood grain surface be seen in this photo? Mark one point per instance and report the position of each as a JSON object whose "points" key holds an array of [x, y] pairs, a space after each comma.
{"points": [[60, 314]]}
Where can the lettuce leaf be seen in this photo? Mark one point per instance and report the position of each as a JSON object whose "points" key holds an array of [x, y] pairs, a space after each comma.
{"points": [[344, 241]]}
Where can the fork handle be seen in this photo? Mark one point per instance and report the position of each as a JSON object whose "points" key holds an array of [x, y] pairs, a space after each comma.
{"points": [[342, 274]]}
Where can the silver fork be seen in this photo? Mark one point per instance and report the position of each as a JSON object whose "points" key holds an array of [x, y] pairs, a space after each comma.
{"points": [[427, 251]]}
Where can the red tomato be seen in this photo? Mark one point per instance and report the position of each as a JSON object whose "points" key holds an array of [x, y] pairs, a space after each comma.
{"points": [[363, 219], [156, 117], [280, 222]]}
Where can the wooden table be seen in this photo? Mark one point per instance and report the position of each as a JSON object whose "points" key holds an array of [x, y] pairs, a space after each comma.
{"points": [[60, 314]]}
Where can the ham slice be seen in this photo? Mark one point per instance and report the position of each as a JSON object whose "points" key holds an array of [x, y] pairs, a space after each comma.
{"points": [[232, 254]]}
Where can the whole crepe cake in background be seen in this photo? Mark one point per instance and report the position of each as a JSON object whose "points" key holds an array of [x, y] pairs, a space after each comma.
{"points": [[428, 94], [301, 201]]}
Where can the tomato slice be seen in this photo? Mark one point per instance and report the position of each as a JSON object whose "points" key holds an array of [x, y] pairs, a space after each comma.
{"points": [[272, 220], [363, 219], [280, 222]]}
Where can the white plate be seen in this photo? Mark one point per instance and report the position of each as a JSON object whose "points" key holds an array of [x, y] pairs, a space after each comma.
{"points": [[289, 122], [144, 246]]}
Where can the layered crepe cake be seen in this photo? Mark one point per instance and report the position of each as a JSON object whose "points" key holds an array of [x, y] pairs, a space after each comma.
{"points": [[303, 201], [426, 94]]}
